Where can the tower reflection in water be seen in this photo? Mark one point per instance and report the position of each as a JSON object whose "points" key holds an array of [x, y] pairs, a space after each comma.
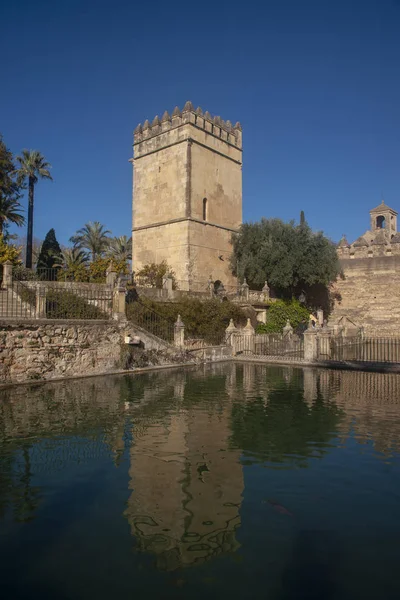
{"points": [[187, 483]]}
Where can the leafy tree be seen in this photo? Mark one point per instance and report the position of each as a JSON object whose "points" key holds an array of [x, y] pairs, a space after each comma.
{"points": [[282, 310], [32, 167], [98, 268], [291, 258], [50, 252], [120, 248], [152, 275], [9, 252], [93, 238], [10, 190]]}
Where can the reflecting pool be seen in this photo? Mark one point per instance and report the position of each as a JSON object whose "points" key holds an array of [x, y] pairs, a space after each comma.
{"points": [[227, 481]]}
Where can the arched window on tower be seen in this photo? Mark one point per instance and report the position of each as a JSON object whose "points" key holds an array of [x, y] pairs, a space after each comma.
{"points": [[380, 222], [204, 209]]}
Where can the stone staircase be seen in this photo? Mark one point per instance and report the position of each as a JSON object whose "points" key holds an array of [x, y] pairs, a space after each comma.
{"points": [[11, 306]]}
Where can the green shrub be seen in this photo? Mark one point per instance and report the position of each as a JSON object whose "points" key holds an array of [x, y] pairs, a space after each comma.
{"points": [[26, 294], [67, 305], [282, 310], [202, 319]]}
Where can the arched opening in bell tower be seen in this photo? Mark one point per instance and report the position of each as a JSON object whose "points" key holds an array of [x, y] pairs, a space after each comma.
{"points": [[380, 222]]}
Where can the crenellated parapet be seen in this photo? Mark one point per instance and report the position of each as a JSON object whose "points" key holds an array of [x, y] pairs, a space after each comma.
{"points": [[215, 126], [381, 240], [369, 246]]}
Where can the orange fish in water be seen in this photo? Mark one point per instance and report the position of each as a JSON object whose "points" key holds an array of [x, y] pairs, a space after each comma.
{"points": [[279, 508]]}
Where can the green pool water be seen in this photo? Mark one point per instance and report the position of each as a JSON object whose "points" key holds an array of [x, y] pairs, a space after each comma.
{"points": [[229, 481]]}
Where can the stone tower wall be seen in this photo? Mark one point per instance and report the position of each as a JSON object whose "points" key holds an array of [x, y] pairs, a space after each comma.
{"points": [[178, 162]]}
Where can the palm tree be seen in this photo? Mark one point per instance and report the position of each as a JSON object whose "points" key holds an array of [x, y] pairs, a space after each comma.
{"points": [[9, 212], [120, 248], [71, 258], [33, 166], [93, 238]]}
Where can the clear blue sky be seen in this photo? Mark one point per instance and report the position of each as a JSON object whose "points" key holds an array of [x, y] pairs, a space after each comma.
{"points": [[315, 84]]}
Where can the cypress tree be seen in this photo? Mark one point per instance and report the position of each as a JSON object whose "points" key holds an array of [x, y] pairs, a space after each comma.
{"points": [[302, 218], [50, 252]]}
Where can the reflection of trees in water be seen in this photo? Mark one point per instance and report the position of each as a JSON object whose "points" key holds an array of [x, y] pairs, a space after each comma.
{"points": [[45, 428], [278, 425], [370, 403], [16, 489]]}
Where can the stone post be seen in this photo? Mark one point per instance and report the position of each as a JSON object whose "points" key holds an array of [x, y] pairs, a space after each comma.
{"points": [[7, 274], [324, 336], [310, 344], [40, 311], [249, 337], [119, 301], [179, 333], [229, 331], [111, 275], [167, 285], [265, 291], [287, 330], [320, 317], [245, 289]]}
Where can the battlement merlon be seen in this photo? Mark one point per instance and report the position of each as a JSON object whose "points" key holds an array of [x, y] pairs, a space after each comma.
{"points": [[215, 126]]}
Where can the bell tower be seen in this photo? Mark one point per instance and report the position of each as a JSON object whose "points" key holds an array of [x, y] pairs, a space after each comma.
{"points": [[384, 218], [187, 194]]}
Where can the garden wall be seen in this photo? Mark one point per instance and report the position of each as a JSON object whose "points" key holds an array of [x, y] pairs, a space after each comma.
{"points": [[39, 350]]}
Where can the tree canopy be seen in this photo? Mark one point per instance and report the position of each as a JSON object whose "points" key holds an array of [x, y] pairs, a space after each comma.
{"points": [[93, 238], [50, 252], [292, 258], [32, 167], [10, 189]]}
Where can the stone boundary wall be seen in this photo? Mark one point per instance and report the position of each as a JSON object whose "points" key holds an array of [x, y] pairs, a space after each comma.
{"points": [[40, 351], [369, 294]]}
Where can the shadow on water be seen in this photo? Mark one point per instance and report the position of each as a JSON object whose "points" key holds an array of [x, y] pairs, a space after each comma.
{"points": [[312, 571]]}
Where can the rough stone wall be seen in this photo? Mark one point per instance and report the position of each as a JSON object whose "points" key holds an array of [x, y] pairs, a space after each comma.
{"points": [[45, 351], [178, 163], [370, 294], [40, 350]]}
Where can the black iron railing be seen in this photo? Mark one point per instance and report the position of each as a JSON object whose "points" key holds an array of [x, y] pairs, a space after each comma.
{"points": [[145, 317], [366, 349], [271, 345], [41, 301]]}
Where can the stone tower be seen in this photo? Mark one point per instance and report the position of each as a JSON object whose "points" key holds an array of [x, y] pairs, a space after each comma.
{"points": [[384, 217], [187, 194]]}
